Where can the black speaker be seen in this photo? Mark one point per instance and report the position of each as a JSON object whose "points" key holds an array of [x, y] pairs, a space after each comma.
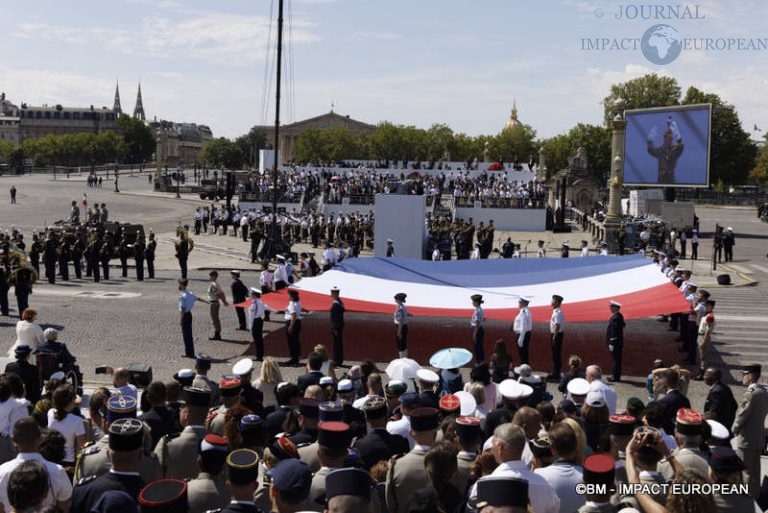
{"points": [[724, 279], [140, 374]]}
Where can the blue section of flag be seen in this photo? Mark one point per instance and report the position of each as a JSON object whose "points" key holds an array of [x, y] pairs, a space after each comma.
{"points": [[489, 273]]}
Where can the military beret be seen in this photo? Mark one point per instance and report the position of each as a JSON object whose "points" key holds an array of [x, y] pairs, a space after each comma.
{"points": [[292, 476], [243, 466], [395, 388], [126, 434], [622, 425], [500, 491], [424, 419], [120, 407], [164, 496], [331, 410], [195, 396], [688, 421], [599, 469], [309, 408], [334, 435], [284, 449], [375, 408], [724, 460], [348, 481]]}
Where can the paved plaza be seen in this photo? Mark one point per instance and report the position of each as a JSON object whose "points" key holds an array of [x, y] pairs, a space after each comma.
{"points": [[123, 321]]}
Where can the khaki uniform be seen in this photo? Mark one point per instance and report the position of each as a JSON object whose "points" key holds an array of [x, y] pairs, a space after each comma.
{"points": [[405, 476], [687, 459], [749, 432], [178, 453], [92, 460], [215, 422], [206, 492], [317, 491], [461, 477], [308, 454]]}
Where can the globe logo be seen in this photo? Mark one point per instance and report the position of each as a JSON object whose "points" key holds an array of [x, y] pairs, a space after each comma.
{"points": [[661, 44], [599, 13]]}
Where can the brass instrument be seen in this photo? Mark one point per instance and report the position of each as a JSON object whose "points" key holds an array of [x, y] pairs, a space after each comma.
{"points": [[17, 262], [182, 232]]}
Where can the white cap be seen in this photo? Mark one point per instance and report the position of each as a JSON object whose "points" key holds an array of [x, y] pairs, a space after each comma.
{"points": [[595, 398], [578, 386], [58, 375], [427, 376], [345, 385], [488, 444], [254, 290], [234, 271], [729, 229], [185, 374], [242, 367], [719, 431], [527, 390], [511, 389], [326, 380], [615, 303], [468, 403], [280, 257], [523, 370]]}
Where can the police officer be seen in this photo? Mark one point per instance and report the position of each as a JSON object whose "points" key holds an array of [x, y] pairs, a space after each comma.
{"points": [[337, 327], [139, 254], [149, 254], [239, 295], [749, 425], [178, 452], [208, 491], [614, 336], [93, 459], [556, 326], [126, 437]]}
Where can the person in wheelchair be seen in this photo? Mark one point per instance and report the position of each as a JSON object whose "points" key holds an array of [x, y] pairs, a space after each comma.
{"points": [[53, 356]]}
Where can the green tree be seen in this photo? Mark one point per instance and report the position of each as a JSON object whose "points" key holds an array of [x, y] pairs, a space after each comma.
{"points": [[597, 141], [759, 174], [6, 148], [224, 153], [513, 144], [387, 141], [337, 144], [557, 149], [732, 152], [309, 146], [642, 93], [439, 142], [139, 143], [250, 144]]}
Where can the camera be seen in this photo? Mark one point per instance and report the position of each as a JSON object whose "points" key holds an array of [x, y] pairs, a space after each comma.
{"points": [[101, 370]]}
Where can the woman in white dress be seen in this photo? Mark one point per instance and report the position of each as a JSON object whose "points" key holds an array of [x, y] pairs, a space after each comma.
{"points": [[68, 424], [28, 331]]}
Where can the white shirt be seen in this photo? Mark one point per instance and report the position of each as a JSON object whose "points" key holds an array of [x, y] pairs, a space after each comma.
{"points": [[477, 317], [557, 318], [265, 279], [281, 274], [29, 333], [436, 255], [294, 307], [522, 324], [540, 492], [11, 411], [60, 486], [401, 315], [71, 427]]}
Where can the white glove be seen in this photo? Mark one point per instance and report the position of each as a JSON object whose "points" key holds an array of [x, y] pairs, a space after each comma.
{"points": [[610, 347], [675, 131], [652, 134], [520, 339]]}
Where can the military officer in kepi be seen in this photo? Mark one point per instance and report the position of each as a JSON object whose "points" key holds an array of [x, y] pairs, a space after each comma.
{"points": [[126, 439], [208, 490], [164, 496], [230, 394], [178, 452], [749, 427], [93, 459]]}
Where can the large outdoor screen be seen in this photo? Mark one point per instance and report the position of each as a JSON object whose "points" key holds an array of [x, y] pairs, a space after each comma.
{"points": [[668, 146]]}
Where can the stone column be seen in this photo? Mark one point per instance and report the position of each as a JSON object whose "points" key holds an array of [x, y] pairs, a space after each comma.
{"points": [[613, 218]]}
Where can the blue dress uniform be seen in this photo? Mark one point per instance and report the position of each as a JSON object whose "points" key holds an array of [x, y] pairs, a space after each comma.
{"points": [[125, 435], [186, 302], [614, 336], [478, 331], [337, 327]]}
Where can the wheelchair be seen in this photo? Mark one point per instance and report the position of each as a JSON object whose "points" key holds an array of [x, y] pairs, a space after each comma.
{"points": [[48, 364]]}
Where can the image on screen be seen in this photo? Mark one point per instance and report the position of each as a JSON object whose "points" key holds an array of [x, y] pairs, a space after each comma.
{"points": [[668, 147]]}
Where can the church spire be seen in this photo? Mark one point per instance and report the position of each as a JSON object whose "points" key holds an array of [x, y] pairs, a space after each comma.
{"points": [[513, 121], [138, 110], [117, 107]]}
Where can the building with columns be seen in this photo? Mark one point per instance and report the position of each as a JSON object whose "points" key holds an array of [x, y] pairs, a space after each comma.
{"points": [[289, 133]]}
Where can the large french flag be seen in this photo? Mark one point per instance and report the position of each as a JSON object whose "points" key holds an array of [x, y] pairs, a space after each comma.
{"points": [[443, 289]]}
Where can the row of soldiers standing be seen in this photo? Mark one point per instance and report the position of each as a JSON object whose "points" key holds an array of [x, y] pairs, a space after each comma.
{"points": [[462, 235]]}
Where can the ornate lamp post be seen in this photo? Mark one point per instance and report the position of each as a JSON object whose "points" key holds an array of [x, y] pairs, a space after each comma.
{"points": [[616, 182]]}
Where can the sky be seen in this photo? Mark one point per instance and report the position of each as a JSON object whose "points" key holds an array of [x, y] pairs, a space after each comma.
{"points": [[411, 62]]}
